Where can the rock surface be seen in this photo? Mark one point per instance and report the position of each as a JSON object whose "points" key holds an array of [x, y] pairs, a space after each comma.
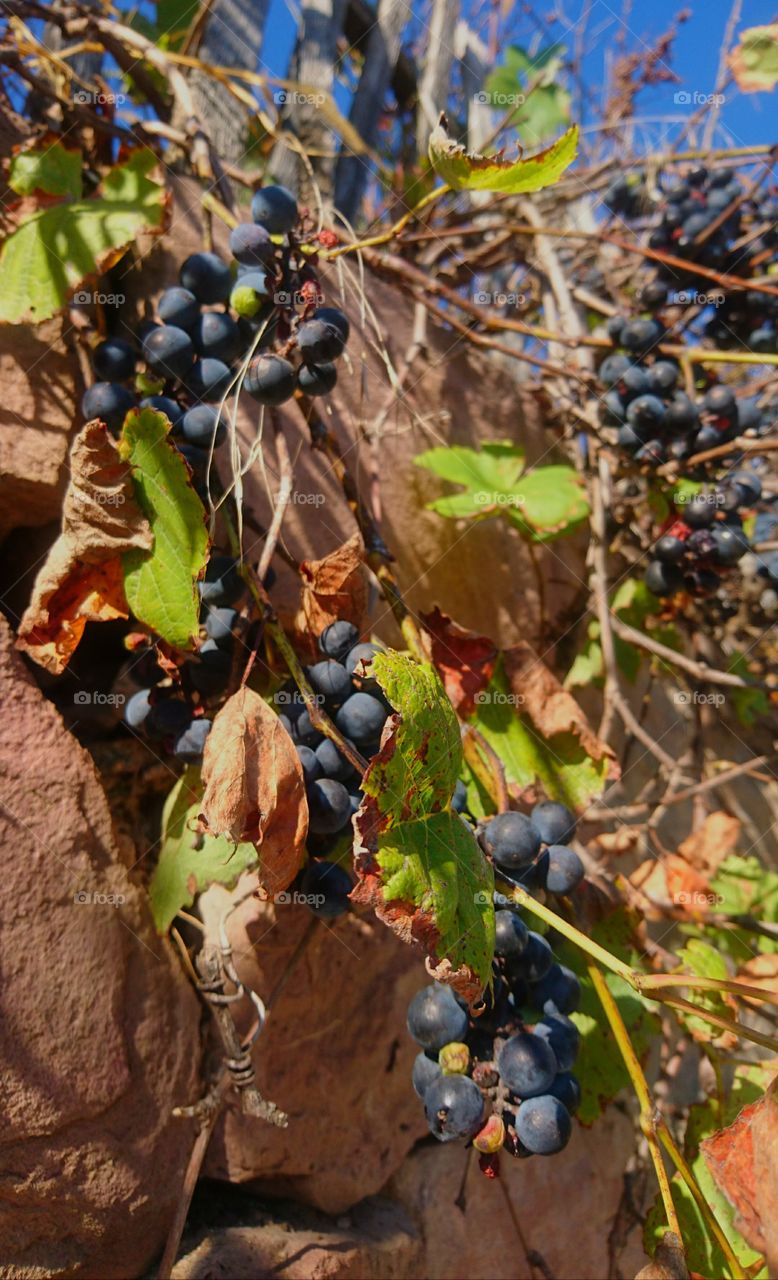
{"points": [[335, 1054], [99, 1030], [376, 1241]]}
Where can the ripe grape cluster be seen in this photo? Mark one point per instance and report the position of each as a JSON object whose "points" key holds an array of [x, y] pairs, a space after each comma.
{"points": [[262, 315], [354, 700], [503, 1078], [704, 539]]}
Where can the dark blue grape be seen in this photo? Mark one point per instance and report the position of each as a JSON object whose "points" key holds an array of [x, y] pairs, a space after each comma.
{"points": [[435, 1018], [512, 840], [311, 766], [304, 730], [459, 798], [168, 351], [222, 584], [275, 209], [748, 484], [169, 718], [137, 709], [361, 717], [663, 579], [335, 319], [209, 379], [559, 988], [207, 277], [178, 307], [270, 380], [425, 1070], [645, 411], [217, 335], [211, 673], [613, 368], [202, 426], [317, 379], [329, 808], [700, 512], [730, 543], [108, 401], [114, 360], [668, 549], [319, 342], [338, 639], [220, 624], [720, 401], [662, 377], [331, 680], [641, 335], [327, 886], [565, 870], [250, 245], [511, 935], [554, 821], [567, 1089], [527, 1065], [454, 1107], [537, 958], [190, 745], [332, 763], [561, 1033], [543, 1125]]}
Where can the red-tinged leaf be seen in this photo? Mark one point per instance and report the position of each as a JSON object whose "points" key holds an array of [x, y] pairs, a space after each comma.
{"points": [[711, 843], [465, 660], [254, 787], [553, 711], [743, 1159], [82, 578]]}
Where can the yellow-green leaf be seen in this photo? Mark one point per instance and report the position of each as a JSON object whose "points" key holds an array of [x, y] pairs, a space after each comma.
{"points": [[469, 171], [53, 169]]}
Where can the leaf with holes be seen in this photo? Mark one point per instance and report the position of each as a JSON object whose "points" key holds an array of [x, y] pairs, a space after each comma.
{"points": [[418, 862], [189, 861], [51, 252], [161, 584], [469, 171]]}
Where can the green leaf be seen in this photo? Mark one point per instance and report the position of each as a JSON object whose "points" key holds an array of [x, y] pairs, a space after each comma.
{"points": [[419, 863], [705, 961], [600, 1068], [561, 764], [472, 172], [189, 861], [161, 585], [755, 59], [751, 703], [703, 1255], [56, 171], [54, 250], [543, 503], [546, 109], [587, 667]]}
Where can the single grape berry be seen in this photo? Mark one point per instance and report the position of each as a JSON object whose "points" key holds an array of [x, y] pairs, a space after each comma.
{"points": [[327, 887], [454, 1107], [669, 549], [137, 708], [275, 209], [168, 351], [178, 307], [331, 680], [335, 319], [537, 958], [641, 335], [329, 808], [317, 379], [663, 579], [543, 1125], [222, 583], [190, 744], [527, 1065], [561, 1033], [114, 360], [613, 368], [169, 718], [425, 1070], [338, 639], [511, 935], [435, 1018], [567, 1089], [511, 839], [459, 798], [207, 277], [565, 870], [319, 342], [554, 821], [662, 377], [220, 625], [559, 990], [646, 411], [361, 653], [748, 484], [311, 767], [250, 245], [203, 427], [361, 717], [700, 512], [216, 334], [270, 380], [211, 673], [332, 763], [730, 543], [108, 401], [209, 379]]}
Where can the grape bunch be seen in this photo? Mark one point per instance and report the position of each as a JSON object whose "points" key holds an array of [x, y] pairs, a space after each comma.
{"points": [[655, 420], [332, 783], [502, 1078], [704, 539], [262, 315]]}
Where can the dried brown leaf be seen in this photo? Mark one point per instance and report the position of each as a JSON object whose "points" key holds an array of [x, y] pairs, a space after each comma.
{"points": [[81, 580], [254, 787], [551, 708], [707, 848], [335, 587]]}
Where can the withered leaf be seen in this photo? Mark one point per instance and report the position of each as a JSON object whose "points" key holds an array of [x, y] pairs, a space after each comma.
{"points": [[254, 787], [465, 660], [743, 1159], [81, 580], [553, 711], [335, 587], [711, 843]]}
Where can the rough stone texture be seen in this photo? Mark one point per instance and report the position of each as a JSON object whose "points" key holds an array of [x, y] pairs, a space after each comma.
{"points": [[38, 414], [335, 1054], [376, 1241], [564, 1206], [99, 1030]]}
